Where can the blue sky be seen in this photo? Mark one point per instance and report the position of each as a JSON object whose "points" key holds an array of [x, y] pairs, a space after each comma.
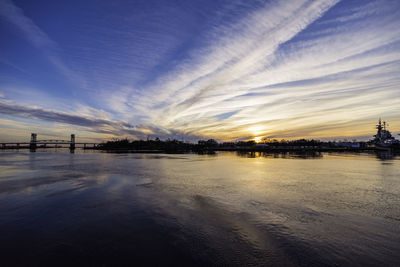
{"points": [[198, 69]]}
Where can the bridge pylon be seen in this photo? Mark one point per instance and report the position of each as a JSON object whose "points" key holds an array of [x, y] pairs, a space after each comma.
{"points": [[72, 144], [33, 143]]}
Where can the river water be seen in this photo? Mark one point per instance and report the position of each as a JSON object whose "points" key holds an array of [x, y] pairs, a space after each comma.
{"points": [[227, 209]]}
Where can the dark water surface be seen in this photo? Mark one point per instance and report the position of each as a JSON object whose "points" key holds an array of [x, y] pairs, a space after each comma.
{"points": [[102, 209]]}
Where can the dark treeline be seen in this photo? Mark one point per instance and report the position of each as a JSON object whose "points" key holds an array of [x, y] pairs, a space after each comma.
{"points": [[149, 145], [212, 145]]}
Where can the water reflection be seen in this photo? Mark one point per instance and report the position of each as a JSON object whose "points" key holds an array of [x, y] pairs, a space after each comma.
{"points": [[385, 155], [283, 155], [207, 152], [56, 148], [227, 209]]}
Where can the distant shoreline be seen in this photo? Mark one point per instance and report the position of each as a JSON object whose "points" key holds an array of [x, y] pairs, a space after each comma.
{"points": [[237, 149], [208, 151]]}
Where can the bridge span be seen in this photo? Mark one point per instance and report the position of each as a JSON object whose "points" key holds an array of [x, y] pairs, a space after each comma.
{"points": [[35, 143]]}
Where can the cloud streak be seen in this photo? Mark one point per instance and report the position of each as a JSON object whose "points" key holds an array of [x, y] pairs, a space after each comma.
{"points": [[90, 123], [48, 115], [37, 37]]}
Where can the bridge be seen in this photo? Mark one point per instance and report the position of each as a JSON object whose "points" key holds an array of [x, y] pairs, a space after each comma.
{"points": [[35, 143]]}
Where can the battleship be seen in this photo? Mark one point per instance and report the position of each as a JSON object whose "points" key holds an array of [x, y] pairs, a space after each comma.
{"points": [[383, 138]]}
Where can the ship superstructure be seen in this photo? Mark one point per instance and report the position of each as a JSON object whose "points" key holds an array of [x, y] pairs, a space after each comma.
{"points": [[383, 135]]}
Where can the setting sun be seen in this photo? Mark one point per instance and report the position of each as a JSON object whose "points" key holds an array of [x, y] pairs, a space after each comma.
{"points": [[258, 139]]}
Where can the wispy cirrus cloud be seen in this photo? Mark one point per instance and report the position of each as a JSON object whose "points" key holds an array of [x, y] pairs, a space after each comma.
{"points": [[278, 71], [233, 51], [15, 16]]}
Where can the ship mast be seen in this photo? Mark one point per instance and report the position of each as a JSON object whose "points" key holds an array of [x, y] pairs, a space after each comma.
{"points": [[379, 127]]}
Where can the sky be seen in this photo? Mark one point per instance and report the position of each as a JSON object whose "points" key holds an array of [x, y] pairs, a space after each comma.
{"points": [[198, 69]]}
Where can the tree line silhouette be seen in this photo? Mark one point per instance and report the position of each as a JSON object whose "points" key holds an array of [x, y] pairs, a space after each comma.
{"points": [[210, 145]]}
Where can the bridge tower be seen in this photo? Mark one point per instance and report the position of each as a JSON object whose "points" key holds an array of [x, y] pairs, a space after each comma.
{"points": [[72, 144], [32, 144]]}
